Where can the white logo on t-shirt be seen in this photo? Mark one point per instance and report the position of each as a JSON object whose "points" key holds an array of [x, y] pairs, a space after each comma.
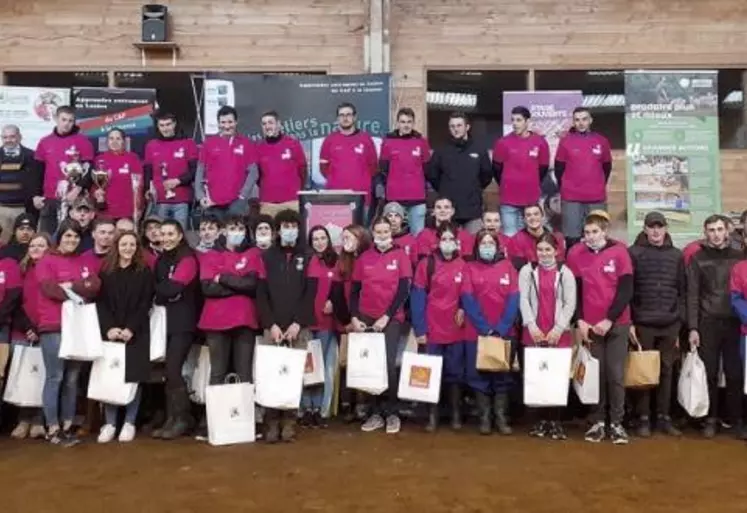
{"points": [[286, 155], [392, 266], [505, 280], [359, 149], [239, 150], [534, 152], [179, 154], [241, 264], [610, 267], [597, 150], [458, 278], [416, 152]]}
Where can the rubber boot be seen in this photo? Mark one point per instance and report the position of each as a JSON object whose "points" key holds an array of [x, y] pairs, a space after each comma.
{"points": [[183, 421], [169, 422], [288, 432], [272, 426], [432, 425], [455, 402], [483, 407], [500, 407]]}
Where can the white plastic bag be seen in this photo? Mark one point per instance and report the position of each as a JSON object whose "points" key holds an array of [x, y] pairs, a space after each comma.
{"points": [[546, 376], [692, 389], [230, 413], [81, 334], [313, 373], [367, 369], [279, 377], [420, 377], [25, 378], [586, 376], [201, 376], [107, 382], [158, 334]]}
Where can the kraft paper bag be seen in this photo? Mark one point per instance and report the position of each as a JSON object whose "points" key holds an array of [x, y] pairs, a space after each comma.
{"points": [[420, 378], [493, 354], [642, 368], [25, 378]]}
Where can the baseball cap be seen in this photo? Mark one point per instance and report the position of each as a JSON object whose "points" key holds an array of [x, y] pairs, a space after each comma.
{"points": [[152, 219], [654, 218], [394, 208], [82, 202]]}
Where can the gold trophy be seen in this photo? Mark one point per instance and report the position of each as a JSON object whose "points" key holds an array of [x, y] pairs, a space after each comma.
{"points": [[165, 176], [73, 171], [135, 180], [101, 177]]}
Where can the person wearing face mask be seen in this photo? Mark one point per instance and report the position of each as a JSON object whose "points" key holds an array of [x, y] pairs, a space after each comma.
{"points": [[524, 242], [547, 291], [658, 311], [123, 306], [57, 271], [355, 242], [438, 319], [380, 287], [317, 401], [227, 169], [177, 288], [103, 239], [263, 231], [228, 275], [25, 323], [427, 240], [20, 177], [282, 167], [491, 221], [169, 168], [122, 195], [490, 298], [604, 283], [461, 170], [151, 240], [285, 301]]}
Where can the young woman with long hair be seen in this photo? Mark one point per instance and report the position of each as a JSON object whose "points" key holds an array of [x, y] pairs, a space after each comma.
{"points": [[123, 305]]}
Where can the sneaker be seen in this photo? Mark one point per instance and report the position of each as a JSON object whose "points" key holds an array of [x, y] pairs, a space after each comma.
{"points": [[539, 430], [393, 425], [557, 432], [618, 434], [201, 434], [128, 433], [373, 423], [70, 438], [644, 428], [21, 431], [306, 420], [596, 433], [320, 421], [37, 431], [106, 434], [55, 437]]}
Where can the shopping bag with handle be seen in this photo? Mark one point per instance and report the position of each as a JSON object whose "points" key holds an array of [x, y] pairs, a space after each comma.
{"points": [[279, 376], [107, 382], [229, 409], [546, 376], [81, 334], [420, 377], [158, 334], [586, 376], [692, 389], [313, 373], [493, 354], [201, 375], [642, 368], [25, 381], [366, 368]]}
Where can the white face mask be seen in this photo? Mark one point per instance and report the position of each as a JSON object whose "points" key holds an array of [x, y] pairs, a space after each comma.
{"points": [[264, 241], [383, 243], [547, 263], [448, 247]]}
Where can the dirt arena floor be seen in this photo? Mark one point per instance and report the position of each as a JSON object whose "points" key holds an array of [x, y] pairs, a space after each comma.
{"points": [[342, 470]]}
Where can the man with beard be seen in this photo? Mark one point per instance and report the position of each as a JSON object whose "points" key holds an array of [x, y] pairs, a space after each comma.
{"points": [[22, 233], [82, 211], [20, 179], [57, 152], [282, 167], [461, 170]]}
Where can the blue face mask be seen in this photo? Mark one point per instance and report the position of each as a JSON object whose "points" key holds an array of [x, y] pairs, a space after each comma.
{"points": [[487, 253], [235, 238], [288, 236]]}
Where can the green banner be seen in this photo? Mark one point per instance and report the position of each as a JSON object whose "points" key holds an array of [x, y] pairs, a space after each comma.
{"points": [[673, 165]]}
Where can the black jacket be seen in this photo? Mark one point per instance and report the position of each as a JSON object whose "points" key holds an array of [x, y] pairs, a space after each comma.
{"points": [[460, 171], [182, 301], [708, 284], [21, 179], [659, 290], [285, 295], [124, 301]]}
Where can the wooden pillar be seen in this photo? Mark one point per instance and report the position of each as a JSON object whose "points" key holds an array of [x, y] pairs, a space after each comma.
{"points": [[2, 77], [111, 79], [531, 80]]}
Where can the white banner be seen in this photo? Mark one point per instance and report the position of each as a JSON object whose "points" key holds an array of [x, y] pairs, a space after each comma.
{"points": [[32, 109], [217, 94]]}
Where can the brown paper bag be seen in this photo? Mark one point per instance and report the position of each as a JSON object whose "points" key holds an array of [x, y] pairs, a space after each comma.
{"points": [[642, 368], [343, 350], [493, 354]]}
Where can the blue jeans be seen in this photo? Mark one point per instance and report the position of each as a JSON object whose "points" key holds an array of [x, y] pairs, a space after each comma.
{"points": [[30, 415], [176, 211], [320, 397], [416, 218], [454, 358], [61, 384], [110, 410], [574, 214], [512, 219]]}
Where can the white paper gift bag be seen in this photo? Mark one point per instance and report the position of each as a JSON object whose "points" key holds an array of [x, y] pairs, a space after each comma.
{"points": [[279, 376], [586, 377], [366, 369], [546, 376], [230, 413], [158, 334], [692, 389], [313, 373], [25, 381], [420, 377], [107, 382], [81, 334], [201, 376]]}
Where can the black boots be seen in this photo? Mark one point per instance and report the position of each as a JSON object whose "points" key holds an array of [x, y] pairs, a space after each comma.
{"points": [[180, 420], [500, 407], [432, 424], [455, 403], [272, 426], [483, 406], [280, 425]]}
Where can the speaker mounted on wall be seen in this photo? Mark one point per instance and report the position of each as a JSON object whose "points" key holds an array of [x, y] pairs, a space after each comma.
{"points": [[155, 23]]}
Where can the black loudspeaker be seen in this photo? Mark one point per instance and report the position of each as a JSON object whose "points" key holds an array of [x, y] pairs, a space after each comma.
{"points": [[155, 23]]}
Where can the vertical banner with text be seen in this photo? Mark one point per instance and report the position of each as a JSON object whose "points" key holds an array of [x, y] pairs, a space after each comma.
{"points": [[552, 117], [671, 129], [32, 109]]}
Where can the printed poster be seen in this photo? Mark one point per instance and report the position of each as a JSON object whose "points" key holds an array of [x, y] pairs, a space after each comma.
{"points": [[552, 117], [32, 109], [333, 210], [671, 128]]}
